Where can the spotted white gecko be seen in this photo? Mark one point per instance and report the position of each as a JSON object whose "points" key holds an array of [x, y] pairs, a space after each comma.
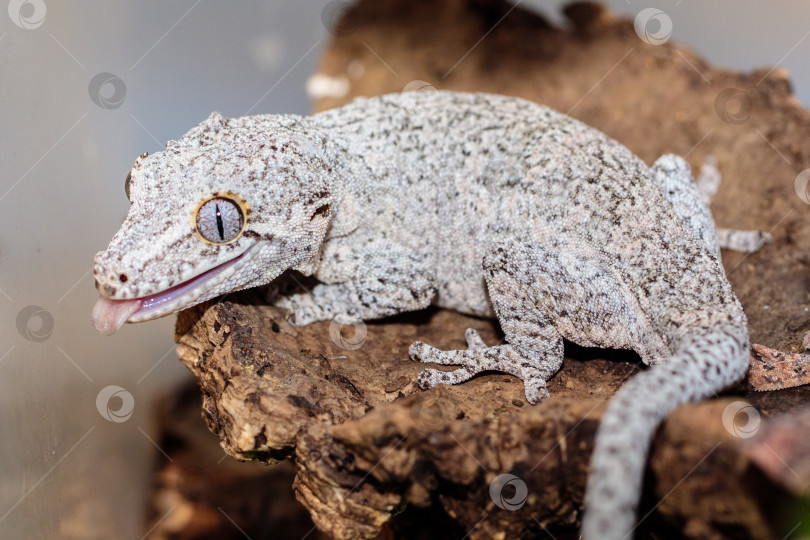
{"points": [[485, 204]]}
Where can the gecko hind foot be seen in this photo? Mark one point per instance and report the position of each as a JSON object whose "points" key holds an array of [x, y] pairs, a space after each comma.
{"points": [[476, 359], [743, 241]]}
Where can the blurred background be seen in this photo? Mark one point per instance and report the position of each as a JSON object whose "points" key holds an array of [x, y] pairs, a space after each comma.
{"points": [[84, 89]]}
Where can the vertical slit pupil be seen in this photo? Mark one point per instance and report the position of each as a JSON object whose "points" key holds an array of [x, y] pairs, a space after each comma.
{"points": [[220, 225]]}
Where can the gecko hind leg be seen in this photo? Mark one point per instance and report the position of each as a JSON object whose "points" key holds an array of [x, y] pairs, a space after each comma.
{"points": [[690, 201], [540, 296], [707, 184], [708, 180]]}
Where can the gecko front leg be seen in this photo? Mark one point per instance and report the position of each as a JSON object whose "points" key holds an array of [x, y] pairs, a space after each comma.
{"points": [[540, 296], [366, 277]]}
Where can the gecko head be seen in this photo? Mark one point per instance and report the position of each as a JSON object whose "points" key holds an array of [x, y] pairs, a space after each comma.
{"points": [[231, 205]]}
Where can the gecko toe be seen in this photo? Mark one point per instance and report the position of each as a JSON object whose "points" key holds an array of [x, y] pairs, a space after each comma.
{"points": [[536, 391], [419, 350], [423, 352], [427, 379], [431, 355], [431, 377], [474, 340]]}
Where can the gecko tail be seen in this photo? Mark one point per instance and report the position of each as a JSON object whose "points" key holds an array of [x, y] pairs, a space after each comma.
{"points": [[705, 361]]}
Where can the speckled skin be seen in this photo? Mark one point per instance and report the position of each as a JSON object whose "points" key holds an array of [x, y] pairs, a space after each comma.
{"points": [[479, 203]]}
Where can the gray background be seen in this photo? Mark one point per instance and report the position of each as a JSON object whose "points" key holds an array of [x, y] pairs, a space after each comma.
{"points": [[63, 160]]}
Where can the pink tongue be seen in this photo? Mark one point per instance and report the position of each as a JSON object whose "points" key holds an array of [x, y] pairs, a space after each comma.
{"points": [[110, 315]]}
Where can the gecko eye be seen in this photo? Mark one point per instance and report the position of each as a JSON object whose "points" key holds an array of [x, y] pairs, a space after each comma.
{"points": [[221, 219], [128, 179], [126, 185]]}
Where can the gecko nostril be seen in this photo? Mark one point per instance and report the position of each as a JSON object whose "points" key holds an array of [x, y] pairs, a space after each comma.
{"points": [[123, 278]]}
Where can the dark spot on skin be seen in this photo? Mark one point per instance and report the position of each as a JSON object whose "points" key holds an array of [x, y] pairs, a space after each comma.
{"points": [[123, 278], [323, 209]]}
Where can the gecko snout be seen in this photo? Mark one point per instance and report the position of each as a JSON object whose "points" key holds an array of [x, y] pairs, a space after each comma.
{"points": [[106, 288], [111, 281]]}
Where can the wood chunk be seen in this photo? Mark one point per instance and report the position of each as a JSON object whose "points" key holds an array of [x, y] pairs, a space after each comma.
{"points": [[777, 370], [363, 454], [782, 451], [199, 493]]}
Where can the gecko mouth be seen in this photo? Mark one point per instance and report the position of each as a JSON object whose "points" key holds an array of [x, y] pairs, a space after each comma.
{"points": [[110, 314]]}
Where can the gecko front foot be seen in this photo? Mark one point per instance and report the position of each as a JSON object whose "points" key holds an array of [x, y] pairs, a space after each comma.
{"points": [[477, 358], [303, 308]]}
